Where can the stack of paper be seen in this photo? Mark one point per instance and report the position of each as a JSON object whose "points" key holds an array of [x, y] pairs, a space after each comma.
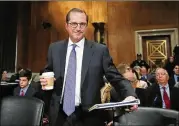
{"points": [[115, 104]]}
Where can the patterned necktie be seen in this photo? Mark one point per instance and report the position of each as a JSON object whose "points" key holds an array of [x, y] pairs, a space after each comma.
{"points": [[166, 99], [22, 93], [70, 84]]}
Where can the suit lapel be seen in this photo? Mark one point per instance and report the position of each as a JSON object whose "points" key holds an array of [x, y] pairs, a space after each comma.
{"points": [[17, 92], [87, 54], [159, 100], [30, 92], [170, 91], [63, 57]]}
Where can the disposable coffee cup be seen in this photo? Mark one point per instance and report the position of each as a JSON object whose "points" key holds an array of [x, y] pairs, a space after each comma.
{"points": [[50, 80]]}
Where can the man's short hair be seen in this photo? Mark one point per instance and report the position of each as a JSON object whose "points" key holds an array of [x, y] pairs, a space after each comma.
{"points": [[75, 10], [139, 54], [26, 73], [122, 68]]}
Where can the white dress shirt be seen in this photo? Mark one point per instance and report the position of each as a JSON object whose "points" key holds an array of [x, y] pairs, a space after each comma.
{"points": [[168, 93], [79, 56]]}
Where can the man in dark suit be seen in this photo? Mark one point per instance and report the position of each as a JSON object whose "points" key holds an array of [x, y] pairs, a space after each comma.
{"points": [[83, 64], [139, 62], [162, 94], [146, 76], [26, 86], [174, 78]]}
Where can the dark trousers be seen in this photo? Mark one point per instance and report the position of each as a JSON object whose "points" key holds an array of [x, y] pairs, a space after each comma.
{"points": [[80, 118]]}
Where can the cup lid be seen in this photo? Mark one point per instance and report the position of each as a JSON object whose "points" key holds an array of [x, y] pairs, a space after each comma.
{"points": [[48, 74]]}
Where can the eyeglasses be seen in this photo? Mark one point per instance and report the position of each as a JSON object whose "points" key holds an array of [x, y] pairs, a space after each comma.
{"points": [[162, 74], [75, 24]]}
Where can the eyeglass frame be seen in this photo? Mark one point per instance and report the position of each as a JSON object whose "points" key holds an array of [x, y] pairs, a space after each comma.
{"points": [[75, 23], [162, 74]]}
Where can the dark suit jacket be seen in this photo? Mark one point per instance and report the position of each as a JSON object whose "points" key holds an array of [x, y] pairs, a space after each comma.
{"points": [[139, 63], [14, 77], [31, 91], [96, 63], [154, 97], [172, 80], [141, 94]]}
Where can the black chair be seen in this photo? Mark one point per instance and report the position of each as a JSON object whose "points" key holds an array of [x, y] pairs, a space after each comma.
{"points": [[21, 111], [146, 116]]}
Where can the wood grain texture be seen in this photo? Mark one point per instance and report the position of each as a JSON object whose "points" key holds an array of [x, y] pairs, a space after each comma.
{"points": [[123, 19]]}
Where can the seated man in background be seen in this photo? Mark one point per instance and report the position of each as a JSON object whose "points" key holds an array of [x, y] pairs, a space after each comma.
{"points": [[162, 94], [169, 65], [4, 75], [139, 62], [174, 77], [26, 86], [146, 76], [15, 77], [138, 85], [29, 88]]}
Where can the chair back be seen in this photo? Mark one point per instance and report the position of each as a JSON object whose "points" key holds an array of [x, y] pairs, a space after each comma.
{"points": [[21, 111], [146, 116]]}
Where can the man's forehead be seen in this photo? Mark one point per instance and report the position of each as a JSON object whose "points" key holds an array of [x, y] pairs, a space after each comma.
{"points": [[160, 70], [23, 78], [74, 14]]}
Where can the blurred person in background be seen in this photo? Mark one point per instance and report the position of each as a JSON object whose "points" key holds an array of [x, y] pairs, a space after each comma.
{"points": [[169, 65], [15, 77], [4, 75], [138, 85], [139, 62]]}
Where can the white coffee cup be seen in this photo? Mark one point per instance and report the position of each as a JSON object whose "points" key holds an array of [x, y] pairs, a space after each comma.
{"points": [[50, 80]]}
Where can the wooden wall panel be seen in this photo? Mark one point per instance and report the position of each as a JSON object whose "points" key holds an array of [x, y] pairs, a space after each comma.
{"points": [[161, 14], [123, 19], [58, 11], [33, 39], [120, 35], [22, 32]]}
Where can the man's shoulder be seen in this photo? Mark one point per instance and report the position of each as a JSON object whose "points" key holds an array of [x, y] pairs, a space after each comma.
{"points": [[17, 89], [35, 84], [59, 42], [96, 44], [143, 60]]}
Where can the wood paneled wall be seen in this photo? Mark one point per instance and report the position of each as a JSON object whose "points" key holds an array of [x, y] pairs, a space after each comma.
{"points": [[122, 19]]}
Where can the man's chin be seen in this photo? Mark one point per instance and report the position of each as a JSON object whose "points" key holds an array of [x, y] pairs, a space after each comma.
{"points": [[77, 39], [22, 86]]}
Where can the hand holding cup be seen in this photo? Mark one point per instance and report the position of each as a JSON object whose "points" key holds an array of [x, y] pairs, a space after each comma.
{"points": [[47, 80]]}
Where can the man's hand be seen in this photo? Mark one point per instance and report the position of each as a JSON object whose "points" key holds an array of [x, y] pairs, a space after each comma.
{"points": [[43, 82], [129, 98], [110, 123]]}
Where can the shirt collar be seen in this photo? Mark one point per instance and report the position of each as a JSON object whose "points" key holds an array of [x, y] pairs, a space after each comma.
{"points": [[25, 88], [166, 86], [176, 75], [79, 44]]}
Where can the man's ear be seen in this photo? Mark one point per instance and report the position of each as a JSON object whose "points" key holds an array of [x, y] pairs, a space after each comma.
{"points": [[66, 26]]}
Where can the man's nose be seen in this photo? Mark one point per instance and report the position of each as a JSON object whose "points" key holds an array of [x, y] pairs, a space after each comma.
{"points": [[78, 27]]}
